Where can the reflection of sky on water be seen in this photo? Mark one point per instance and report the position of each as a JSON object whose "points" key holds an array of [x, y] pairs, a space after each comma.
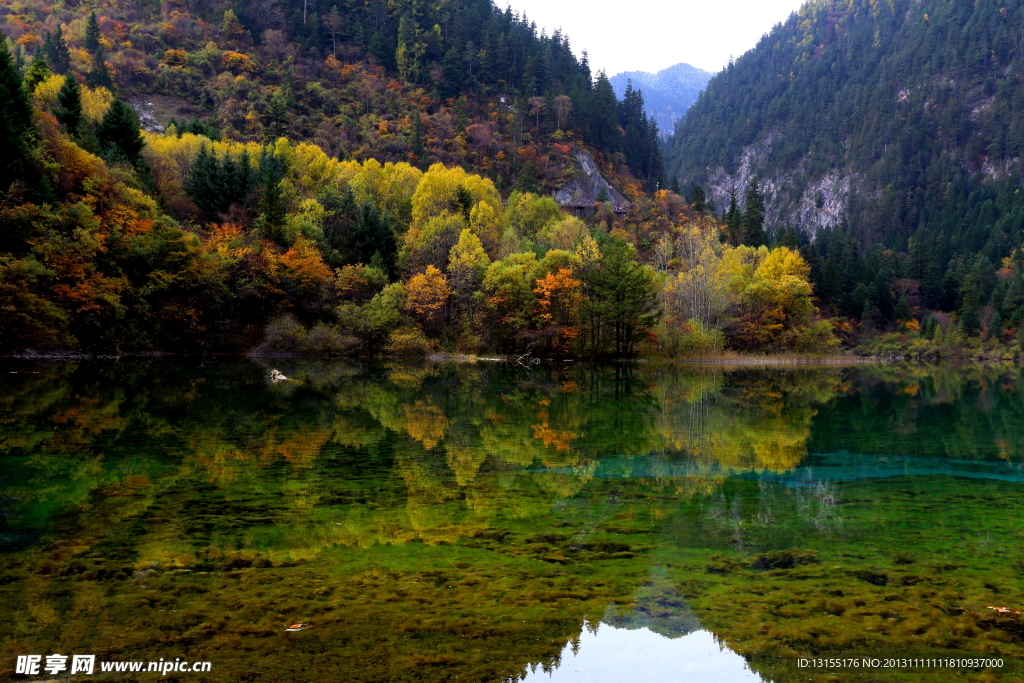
{"points": [[614, 655]]}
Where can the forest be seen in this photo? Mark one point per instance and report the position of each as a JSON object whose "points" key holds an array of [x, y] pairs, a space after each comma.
{"points": [[404, 229], [917, 108], [376, 179]]}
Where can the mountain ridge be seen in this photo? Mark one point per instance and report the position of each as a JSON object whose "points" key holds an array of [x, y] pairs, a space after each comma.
{"points": [[668, 94], [904, 113]]}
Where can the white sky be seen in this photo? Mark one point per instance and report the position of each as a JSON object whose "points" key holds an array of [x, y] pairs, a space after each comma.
{"points": [[650, 35]]}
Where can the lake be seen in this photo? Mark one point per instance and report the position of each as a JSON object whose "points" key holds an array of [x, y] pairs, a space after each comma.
{"points": [[491, 522]]}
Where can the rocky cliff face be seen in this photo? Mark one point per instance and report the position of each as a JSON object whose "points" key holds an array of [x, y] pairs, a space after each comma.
{"points": [[586, 184], [792, 198]]}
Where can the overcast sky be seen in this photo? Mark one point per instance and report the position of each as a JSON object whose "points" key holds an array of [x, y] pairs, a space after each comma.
{"points": [[650, 35]]}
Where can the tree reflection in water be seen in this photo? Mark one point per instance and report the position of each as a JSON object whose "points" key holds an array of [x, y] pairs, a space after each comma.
{"points": [[448, 520]]}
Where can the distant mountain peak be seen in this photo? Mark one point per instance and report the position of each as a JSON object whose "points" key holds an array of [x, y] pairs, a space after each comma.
{"points": [[668, 93]]}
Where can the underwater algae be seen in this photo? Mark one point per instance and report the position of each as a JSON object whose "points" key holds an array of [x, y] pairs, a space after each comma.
{"points": [[458, 523]]}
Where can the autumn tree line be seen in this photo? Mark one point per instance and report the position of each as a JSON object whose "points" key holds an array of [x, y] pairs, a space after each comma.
{"points": [[182, 242]]}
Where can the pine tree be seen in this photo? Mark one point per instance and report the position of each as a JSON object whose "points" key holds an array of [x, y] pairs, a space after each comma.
{"points": [[1014, 297], [200, 181], [752, 223], [244, 181], [603, 122], [19, 58], [697, 198], [69, 105], [275, 120], [17, 132], [119, 134], [903, 311], [273, 209], [314, 35], [970, 323], [373, 233], [995, 327], [788, 237], [92, 34], [733, 219], [622, 303], [99, 75], [57, 52], [454, 69]]}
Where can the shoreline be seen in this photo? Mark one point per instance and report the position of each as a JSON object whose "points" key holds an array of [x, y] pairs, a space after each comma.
{"points": [[716, 360]]}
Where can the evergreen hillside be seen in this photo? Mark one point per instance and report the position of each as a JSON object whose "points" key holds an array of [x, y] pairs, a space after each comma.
{"points": [[668, 94], [884, 138], [900, 117]]}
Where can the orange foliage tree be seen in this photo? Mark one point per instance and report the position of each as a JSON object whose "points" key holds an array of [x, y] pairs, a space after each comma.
{"points": [[427, 296], [558, 305]]}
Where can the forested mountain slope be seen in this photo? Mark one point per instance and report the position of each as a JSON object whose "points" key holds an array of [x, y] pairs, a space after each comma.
{"points": [[897, 118], [668, 93], [459, 82]]}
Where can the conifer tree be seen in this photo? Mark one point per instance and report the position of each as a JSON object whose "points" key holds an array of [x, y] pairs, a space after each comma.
{"points": [[903, 311], [99, 75], [622, 304], [276, 117], [69, 105], [752, 224], [995, 327], [19, 58], [603, 125], [733, 219], [56, 51], [244, 180], [970, 322], [697, 198], [373, 233], [272, 203], [314, 35], [454, 68], [200, 182], [92, 33], [17, 133], [119, 133]]}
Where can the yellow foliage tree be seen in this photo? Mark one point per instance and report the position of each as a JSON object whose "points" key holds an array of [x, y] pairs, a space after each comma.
{"points": [[95, 101], [443, 190]]}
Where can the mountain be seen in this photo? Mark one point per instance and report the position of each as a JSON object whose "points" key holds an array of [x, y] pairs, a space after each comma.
{"points": [[883, 138], [668, 93], [894, 118]]}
